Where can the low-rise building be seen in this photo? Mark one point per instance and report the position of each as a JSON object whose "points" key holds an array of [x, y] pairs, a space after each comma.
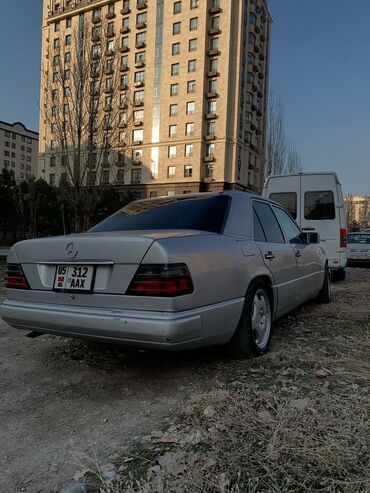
{"points": [[18, 150]]}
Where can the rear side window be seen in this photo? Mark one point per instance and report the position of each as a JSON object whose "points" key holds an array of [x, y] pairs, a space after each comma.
{"points": [[258, 234], [319, 206], [269, 223], [206, 213], [288, 200]]}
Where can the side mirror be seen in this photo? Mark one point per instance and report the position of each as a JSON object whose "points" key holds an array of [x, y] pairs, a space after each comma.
{"points": [[312, 238]]}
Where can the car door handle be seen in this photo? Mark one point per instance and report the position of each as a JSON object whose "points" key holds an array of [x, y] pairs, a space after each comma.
{"points": [[269, 256], [298, 253], [308, 229]]}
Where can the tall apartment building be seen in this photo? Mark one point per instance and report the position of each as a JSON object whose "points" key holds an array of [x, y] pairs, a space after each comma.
{"points": [[18, 150], [193, 74], [361, 207]]}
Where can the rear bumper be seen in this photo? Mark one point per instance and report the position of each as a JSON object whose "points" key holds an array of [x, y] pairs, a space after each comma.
{"points": [[339, 263], [209, 325]]}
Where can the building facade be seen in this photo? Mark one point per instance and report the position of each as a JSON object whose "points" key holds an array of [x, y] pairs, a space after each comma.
{"points": [[361, 207], [193, 74], [18, 150]]}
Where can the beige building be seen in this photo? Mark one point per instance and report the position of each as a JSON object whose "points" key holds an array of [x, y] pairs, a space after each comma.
{"points": [[361, 207], [18, 150], [194, 75]]}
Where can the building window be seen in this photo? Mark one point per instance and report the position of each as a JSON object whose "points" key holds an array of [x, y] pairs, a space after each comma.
{"points": [[189, 129], [173, 130], [174, 110], [192, 65], [189, 150], [67, 57], [250, 78], [176, 28], [191, 86], [52, 179], [175, 48], [212, 85], [57, 26], [194, 4], [172, 151], [138, 97], [140, 57], [213, 43], [190, 108], [193, 44], [177, 7], [208, 171], [139, 76], [193, 24], [105, 177], [138, 135], [188, 171], [140, 39], [96, 15], [136, 175], [175, 69], [68, 40], [210, 150], [69, 22], [171, 171], [215, 22], [174, 89], [211, 128], [251, 39], [211, 107]]}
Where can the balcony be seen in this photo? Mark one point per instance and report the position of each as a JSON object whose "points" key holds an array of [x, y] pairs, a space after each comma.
{"points": [[96, 37], [124, 68], [137, 161], [139, 103], [124, 30], [110, 33], [140, 25], [142, 4], [209, 159], [139, 64], [213, 73], [214, 52], [125, 11], [138, 123], [215, 10], [124, 49], [109, 71], [110, 15], [137, 142], [123, 87], [108, 90], [140, 44], [209, 137], [139, 83], [109, 53], [135, 181], [211, 116], [212, 94], [96, 20], [214, 31]]}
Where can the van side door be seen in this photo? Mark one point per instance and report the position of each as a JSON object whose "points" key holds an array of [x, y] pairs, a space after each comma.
{"points": [[277, 254]]}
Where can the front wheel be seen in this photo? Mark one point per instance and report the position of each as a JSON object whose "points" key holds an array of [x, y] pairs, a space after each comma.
{"points": [[253, 334]]}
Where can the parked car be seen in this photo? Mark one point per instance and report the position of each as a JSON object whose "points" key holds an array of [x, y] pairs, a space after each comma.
{"points": [[315, 202], [171, 273], [367, 230], [359, 248]]}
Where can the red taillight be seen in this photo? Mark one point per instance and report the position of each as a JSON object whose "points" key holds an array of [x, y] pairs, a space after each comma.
{"points": [[165, 280], [15, 278], [343, 238]]}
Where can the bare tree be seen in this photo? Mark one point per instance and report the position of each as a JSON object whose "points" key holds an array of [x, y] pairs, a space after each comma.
{"points": [[350, 212], [281, 155], [88, 110]]}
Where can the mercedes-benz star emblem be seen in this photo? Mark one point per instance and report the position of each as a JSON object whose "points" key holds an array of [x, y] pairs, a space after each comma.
{"points": [[71, 250]]}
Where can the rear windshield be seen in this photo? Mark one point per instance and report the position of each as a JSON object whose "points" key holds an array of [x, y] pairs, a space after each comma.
{"points": [[206, 213], [288, 200], [360, 239], [319, 205]]}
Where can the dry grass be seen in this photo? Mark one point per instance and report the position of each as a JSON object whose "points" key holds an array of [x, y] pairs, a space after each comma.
{"points": [[296, 420]]}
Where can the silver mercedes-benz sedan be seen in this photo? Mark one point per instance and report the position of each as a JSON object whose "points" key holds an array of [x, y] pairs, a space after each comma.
{"points": [[171, 273]]}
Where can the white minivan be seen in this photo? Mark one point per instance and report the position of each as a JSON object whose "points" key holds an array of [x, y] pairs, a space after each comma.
{"points": [[315, 201]]}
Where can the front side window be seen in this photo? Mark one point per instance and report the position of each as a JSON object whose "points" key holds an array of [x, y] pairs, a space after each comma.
{"points": [[291, 230], [319, 206]]}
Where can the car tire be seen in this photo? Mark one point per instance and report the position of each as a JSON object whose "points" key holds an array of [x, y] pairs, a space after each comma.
{"points": [[324, 295], [253, 333]]}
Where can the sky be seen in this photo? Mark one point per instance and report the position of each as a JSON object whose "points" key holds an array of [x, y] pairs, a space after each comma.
{"points": [[320, 67]]}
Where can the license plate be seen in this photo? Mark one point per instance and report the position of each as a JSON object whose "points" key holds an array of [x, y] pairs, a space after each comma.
{"points": [[74, 278]]}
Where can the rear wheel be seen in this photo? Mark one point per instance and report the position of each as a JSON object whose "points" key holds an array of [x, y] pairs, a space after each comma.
{"points": [[324, 295], [253, 334]]}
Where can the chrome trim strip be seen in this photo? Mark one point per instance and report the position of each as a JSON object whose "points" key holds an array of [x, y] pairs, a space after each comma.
{"points": [[77, 262]]}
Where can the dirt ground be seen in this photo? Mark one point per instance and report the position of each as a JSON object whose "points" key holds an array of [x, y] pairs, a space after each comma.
{"points": [[64, 401]]}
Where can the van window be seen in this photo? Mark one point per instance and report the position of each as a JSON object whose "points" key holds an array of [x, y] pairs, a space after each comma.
{"points": [[288, 200], [319, 205], [269, 223]]}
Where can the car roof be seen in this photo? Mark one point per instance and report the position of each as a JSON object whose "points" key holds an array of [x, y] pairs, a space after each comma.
{"points": [[231, 193]]}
